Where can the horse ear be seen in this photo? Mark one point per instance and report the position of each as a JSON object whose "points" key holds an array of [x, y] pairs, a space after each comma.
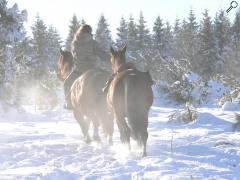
{"points": [[112, 50], [61, 51], [124, 49]]}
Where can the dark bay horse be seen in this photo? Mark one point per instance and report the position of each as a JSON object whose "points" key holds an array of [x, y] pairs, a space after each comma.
{"points": [[130, 97], [86, 96]]}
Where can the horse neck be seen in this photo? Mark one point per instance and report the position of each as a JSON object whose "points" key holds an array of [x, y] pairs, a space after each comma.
{"points": [[125, 66], [67, 69], [73, 75]]}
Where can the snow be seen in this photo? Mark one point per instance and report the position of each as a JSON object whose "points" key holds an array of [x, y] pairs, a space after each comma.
{"points": [[231, 106], [206, 95], [48, 145]]}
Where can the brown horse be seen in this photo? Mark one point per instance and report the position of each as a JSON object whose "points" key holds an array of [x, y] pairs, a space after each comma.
{"points": [[130, 97], [86, 96]]}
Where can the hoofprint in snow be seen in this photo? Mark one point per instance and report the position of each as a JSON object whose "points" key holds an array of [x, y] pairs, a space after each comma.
{"points": [[48, 145]]}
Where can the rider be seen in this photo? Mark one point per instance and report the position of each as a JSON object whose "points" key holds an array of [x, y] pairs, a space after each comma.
{"points": [[85, 52]]}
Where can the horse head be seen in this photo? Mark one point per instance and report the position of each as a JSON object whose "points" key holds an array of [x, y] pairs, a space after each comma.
{"points": [[65, 64], [118, 58]]}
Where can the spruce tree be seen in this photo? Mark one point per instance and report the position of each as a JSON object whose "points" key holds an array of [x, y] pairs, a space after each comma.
{"points": [[122, 32], [12, 33], [40, 47], [207, 65], [158, 33], [143, 37], [167, 40], [222, 32], [82, 21], [103, 34], [132, 35], [191, 40], [54, 42], [73, 27], [177, 40], [233, 62]]}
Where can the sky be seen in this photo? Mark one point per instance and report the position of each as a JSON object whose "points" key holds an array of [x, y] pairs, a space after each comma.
{"points": [[59, 13]]}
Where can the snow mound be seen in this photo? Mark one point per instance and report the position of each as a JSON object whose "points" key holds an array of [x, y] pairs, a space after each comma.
{"points": [[206, 92], [231, 106]]}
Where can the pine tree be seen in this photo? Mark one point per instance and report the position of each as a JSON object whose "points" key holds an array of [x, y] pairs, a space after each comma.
{"points": [[103, 34], [73, 27], [207, 65], [45, 45], [54, 42], [233, 62], [156, 63], [122, 32], [158, 33], [176, 28], [132, 35], [143, 37], [222, 31], [177, 40], [40, 47], [167, 40], [191, 39], [12, 33], [82, 21]]}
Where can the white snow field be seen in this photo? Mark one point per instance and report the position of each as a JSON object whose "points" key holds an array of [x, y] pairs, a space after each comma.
{"points": [[48, 145]]}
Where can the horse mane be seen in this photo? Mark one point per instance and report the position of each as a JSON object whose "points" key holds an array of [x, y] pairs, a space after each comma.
{"points": [[66, 64], [126, 66]]}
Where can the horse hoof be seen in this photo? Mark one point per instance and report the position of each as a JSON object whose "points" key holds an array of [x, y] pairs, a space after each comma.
{"points": [[96, 138], [110, 143], [144, 155], [87, 140]]}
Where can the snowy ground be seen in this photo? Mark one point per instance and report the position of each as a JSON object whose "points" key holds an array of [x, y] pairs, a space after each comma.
{"points": [[48, 145]]}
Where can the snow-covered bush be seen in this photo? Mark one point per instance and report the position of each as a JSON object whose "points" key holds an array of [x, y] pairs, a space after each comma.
{"points": [[230, 96], [170, 75], [187, 115]]}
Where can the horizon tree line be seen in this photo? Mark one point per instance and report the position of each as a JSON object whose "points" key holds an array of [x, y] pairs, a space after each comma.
{"points": [[210, 48]]}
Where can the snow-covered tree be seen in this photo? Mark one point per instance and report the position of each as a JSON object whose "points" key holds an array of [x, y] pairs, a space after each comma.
{"points": [[177, 40], [73, 27], [233, 62], [222, 31], [103, 34], [40, 47], [143, 36], [122, 32], [167, 40], [12, 32], [207, 54], [82, 21], [54, 42], [132, 34], [158, 33], [45, 45], [191, 40]]}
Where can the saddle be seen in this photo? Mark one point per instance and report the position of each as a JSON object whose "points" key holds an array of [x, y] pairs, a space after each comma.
{"points": [[123, 67]]}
